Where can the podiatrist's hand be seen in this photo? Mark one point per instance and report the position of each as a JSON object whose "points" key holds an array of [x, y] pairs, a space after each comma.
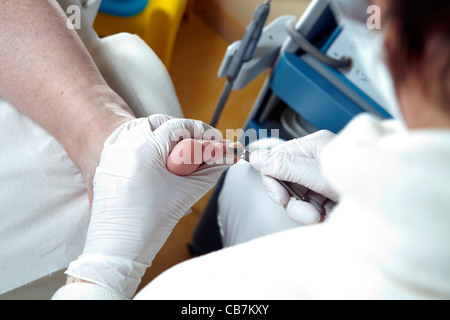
{"points": [[138, 202], [297, 161]]}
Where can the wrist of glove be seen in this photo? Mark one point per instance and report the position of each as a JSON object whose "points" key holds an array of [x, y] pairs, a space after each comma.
{"points": [[298, 162], [137, 201]]}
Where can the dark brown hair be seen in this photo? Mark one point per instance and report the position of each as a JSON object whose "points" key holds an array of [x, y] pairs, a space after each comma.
{"points": [[424, 29]]}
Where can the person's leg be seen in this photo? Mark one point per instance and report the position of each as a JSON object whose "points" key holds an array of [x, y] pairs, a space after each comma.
{"points": [[47, 73], [45, 211], [245, 210]]}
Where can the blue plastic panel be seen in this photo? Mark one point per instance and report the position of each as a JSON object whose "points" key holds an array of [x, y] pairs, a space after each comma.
{"points": [[123, 8], [311, 95]]}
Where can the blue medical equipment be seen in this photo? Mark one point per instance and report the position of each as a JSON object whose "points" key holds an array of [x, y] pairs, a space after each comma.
{"points": [[316, 83]]}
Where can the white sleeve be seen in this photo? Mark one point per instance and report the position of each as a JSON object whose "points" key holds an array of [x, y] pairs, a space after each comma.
{"points": [[86, 291], [297, 264]]}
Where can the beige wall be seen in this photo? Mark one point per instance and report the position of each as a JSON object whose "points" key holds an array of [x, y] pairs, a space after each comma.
{"points": [[243, 10], [230, 17]]}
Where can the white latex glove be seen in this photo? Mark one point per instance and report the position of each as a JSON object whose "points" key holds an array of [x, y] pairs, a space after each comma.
{"points": [[138, 202], [297, 162]]}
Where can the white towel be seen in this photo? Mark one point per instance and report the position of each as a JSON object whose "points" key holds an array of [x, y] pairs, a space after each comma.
{"points": [[44, 209]]}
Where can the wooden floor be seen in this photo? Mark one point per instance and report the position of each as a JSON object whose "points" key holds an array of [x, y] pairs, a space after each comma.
{"points": [[197, 56]]}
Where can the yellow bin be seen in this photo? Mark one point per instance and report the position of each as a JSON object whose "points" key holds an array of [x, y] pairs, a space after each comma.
{"points": [[157, 24]]}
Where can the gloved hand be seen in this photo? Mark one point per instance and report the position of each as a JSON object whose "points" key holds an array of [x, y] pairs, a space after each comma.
{"points": [[138, 202], [297, 161]]}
